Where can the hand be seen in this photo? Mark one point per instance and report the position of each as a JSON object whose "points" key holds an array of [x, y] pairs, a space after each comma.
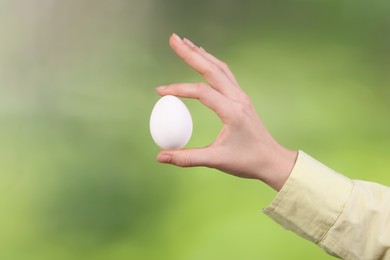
{"points": [[244, 147]]}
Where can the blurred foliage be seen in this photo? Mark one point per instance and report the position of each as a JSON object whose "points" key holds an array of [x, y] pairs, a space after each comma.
{"points": [[78, 177]]}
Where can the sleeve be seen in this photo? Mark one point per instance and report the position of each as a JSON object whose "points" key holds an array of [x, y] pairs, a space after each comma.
{"points": [[347, 218]]}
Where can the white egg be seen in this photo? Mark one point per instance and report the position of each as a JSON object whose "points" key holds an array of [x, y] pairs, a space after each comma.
{"points": [[170, 123]]}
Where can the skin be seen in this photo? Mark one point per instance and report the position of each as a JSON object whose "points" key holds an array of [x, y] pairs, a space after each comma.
{"points": [[244, 147]]}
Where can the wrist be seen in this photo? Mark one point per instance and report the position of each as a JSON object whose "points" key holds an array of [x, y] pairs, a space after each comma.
{"points": [[280, 165]]}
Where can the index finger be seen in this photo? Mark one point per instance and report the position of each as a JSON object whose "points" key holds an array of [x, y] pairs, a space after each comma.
{"points": [[205, 94]]}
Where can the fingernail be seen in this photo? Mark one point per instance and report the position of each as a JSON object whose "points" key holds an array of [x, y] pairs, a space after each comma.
{"points": [[161, 87], [189, 43], [164, 158], [202, 49], [177, 38]]}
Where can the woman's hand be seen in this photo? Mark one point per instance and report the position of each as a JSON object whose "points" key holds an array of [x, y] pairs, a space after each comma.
{"points": [[244, 147]]}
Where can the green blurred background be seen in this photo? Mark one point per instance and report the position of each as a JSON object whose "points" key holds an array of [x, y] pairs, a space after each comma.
{"points": [[78, 177]]}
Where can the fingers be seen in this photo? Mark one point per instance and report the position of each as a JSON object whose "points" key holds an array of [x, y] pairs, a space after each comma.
{"points": [[205, 94], [186, 157], [223, 66], [214, 74]]}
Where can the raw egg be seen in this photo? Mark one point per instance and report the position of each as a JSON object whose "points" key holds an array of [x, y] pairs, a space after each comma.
{"points": [[170, 123]]}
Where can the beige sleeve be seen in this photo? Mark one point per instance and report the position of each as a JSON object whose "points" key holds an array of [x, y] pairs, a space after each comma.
{"points": [[349, 219]]}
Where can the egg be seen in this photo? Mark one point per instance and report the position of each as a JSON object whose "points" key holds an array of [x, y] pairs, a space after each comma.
{"points": [[170, 123]]}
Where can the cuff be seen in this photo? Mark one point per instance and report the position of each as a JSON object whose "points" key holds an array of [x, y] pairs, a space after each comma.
{"points": [[311, 200]]}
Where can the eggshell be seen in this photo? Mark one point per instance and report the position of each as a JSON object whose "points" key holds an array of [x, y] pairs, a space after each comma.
{"points": [[170, 123]]}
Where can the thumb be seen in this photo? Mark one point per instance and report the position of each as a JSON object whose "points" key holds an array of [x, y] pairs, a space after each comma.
{"points": [[185, 157]]}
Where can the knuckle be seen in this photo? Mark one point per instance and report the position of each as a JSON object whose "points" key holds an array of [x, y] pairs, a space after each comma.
{"points": [[174, 89], [246, 101], [224, 66], [212, 69], [241, 109], [183, 162], [240, 113], [179, 91], [200, 87]]}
